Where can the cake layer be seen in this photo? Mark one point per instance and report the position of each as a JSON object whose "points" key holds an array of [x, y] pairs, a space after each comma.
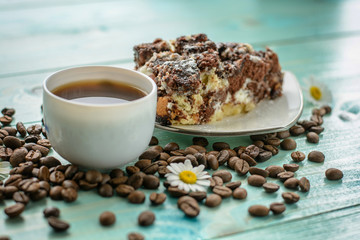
{"points": [[200, 81]]}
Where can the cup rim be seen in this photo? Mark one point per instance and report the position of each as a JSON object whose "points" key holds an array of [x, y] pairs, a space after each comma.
{"points": [[145, 98]]}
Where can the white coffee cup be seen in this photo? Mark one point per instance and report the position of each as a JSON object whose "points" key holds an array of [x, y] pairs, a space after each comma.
{"points": [[101, 136]]}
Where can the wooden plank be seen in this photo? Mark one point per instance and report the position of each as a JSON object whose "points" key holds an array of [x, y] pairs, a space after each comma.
{"points": [[97, 32]]}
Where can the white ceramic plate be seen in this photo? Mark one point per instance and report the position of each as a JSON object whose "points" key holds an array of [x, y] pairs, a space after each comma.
{"points": [[268, 116]]}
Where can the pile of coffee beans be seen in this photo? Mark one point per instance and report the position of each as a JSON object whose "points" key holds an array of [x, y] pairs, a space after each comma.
{"points": [[35, 175]]}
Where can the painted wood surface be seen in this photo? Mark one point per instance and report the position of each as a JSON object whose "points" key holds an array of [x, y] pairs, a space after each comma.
{"points": [[319, 38]]}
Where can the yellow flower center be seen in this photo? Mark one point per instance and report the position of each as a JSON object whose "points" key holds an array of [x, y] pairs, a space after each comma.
{"points": [[188, 177], [315, 92]]}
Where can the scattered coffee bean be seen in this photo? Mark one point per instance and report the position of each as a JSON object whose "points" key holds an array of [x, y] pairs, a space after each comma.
{"points": [[312, 137], [151, 182], [93, 176], [283, 176], [21, 197], [259, 144], [8, 111], [176, 192], [124, 190], [216, 181], [57, 224], [264, 156], [292, 167], [136, 180], [157, 198], [317, 119], [333, 174], [150, 154], [283, 134], [233, 185], [222, 191], [51, 212], [218, 146], [307, 124], [327, 109], [172, 146], [212, 162], [34, 129], [273, 142], [239, 193], [256, 180], [213, 200], [57, 177], [224, 175], [319, 111], [316, 156], [201, 141], [106, 190], [258, 171], [288, 144], [153, 141], [49, 161], [14, 210], [298, 156], [296, 130], [55, 193], [224, 156], [151, 169], [135, 236], [12, 142], [107, 218], [18, 156], [291, 183], [146, 218], [199, 196], [270, 187], [248, 159], [274, 170], [6, 120], [258, 211], [304, 184], [277, 208], [44, 142], [69, 194], [316, 129], [136, 197], [189, 206], [252, 150], [241, 167], [290, 197]]}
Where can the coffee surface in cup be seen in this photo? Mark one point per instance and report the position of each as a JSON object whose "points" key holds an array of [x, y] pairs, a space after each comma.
{"points": [[99, 91]]}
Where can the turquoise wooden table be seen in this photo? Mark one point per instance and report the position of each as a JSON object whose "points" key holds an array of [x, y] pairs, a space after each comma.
{"points": [[319, 38]]}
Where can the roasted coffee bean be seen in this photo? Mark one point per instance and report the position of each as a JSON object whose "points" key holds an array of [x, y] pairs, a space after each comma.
{"points": [[312, 137], [259, 144], [33, 156], [153, 141], [116, 173], [319, 111], [307, 124], [151, 182], [251, 162], [162, 163], [290, 197], [43, 150], [57, 224], [258, 171], [216, 181], [212, 162], [13, 180], [26, 168], [231, 162], [316, 156], [179, 152], [107, 218], [316, 129], [45, 186], [252, 151], [106, 190], [157, 198], [55, 193], [334, 174], [44, 142], [292, 167], [283, 176], [151, 169], [132, 169], [199, 196], [78, 176], [136, 197], [171, 146], [51, 212], [21, 197], [256, 180], [40, 194], [298, 156], [193, 160], [84, 185], [105, 178], [5, 153], [213, 200], [150, 154], [327, 109], [9, 191], [262, 137], [34, 129], [274, 170], [162, 170], [176, 159], [143, 163], [241, 167], [288, 144], [317, 119], [222, 191], [57, 177], [291, 183], [49, 161], [136, 180], [118, 180], [233, 185], [218, 146], [30, 186], [93, 176], [264, 156], [69, 194], [200, 157], [273, 142], [277, 208], [189, 206], [146, 218], [190, 150], [224, 175], [6, 120], [156, 148], [3, 133], [283, 134], [296, 130], [199, 148], [201, 141], [270, 187], [223, 156], [12, 142], [123, 190], [258, 211], [176, 192], [71, 171], [44, 174], [304, 184], [8, 111], [32, 138], [14, 210], [239, 193], [135, 236], [18, 156]]}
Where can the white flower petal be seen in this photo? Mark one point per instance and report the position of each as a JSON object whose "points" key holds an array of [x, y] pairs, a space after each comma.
{"points": [[171, 169], [177, 167], [200, 188], [186, 187], [176, 183], [188, 165], [198, 170], [203, 182], [172, 177], [192, 187], [204, 177]]}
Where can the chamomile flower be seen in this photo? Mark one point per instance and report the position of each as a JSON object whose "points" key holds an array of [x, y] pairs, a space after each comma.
{"points": [[316, 92], [4, 169], [188, 178]]}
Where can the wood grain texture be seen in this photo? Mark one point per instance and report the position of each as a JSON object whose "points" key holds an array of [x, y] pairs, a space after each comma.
{"points": [[317, 38]]}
